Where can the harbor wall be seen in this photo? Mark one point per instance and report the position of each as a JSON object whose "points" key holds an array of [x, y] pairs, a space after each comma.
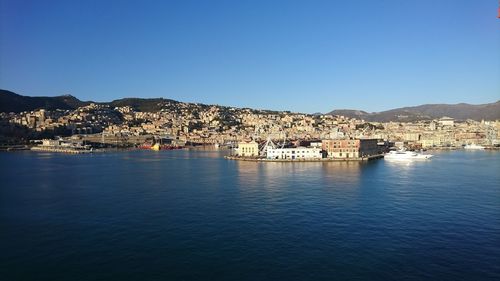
{"points": [[253, 159]]}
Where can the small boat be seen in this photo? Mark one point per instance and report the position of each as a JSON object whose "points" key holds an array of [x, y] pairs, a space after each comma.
{"points": [[474, 146], [156, 146], [406, 155]]}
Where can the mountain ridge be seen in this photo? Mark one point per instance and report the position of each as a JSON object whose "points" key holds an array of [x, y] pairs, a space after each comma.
{"points": [[12, 102], [460, 111]]}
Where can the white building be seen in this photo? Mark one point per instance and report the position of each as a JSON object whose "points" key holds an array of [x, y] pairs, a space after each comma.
{"points": [[294, 153], [447, 121], [317, 144]]}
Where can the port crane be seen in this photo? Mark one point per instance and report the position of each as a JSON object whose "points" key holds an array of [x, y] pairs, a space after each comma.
{"points": [[365, 128]]}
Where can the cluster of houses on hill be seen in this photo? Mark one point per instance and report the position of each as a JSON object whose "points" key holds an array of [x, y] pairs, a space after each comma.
{"points": [[212, 124]]}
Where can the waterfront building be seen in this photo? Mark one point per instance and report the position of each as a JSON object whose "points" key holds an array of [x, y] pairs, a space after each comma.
{"points": [[411, 136], [60, 145], [248, 149], [350, 148], [48, 142], [426, 143], [294, 153]]}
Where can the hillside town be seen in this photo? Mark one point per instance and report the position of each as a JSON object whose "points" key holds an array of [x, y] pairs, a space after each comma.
{"points": [[199, 124]]}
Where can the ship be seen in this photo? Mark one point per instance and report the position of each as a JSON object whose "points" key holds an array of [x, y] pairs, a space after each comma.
{"points": [[158, 146], [406, 155], [473, 146]]}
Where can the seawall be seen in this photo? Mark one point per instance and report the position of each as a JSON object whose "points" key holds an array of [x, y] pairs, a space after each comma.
{"points": [[253, 159]]}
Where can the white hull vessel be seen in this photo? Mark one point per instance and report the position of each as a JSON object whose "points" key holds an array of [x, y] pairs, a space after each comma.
{"points": [[474, 147], [406, 155]]}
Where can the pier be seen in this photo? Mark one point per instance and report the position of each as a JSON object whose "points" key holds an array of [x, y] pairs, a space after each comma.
{"points": [[260, 159], [61, 150]]}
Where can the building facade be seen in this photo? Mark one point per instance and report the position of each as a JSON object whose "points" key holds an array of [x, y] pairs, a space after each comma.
{"points": [[350, 148], [248, 149], [447, 121], [295, 153]]}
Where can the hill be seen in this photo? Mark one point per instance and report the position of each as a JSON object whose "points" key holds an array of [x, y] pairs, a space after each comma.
{"points": [[12, 102], [461, 111]]}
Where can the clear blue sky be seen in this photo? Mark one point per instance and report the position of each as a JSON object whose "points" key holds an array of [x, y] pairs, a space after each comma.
{"points": [[306, 56]]}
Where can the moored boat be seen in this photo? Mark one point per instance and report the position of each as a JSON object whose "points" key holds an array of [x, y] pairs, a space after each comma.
{"points": [[473, 146], [406, 155]]}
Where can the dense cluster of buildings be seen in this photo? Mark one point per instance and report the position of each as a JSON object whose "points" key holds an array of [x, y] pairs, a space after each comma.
{"points": [[84, 120], [444, 132], [204, 124]]}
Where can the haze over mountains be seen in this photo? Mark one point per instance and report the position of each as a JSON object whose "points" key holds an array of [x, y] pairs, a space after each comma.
{"points": [[461, 111], [12, 102]]}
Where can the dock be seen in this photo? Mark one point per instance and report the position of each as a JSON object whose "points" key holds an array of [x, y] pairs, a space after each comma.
{"points": [[60, 150], [14, 148], [261, 159]]}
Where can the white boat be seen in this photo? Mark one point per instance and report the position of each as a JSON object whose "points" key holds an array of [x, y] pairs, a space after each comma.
{"points": [[473, 146], [405, 155]]}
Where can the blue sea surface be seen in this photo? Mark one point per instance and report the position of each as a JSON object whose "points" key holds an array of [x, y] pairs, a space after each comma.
{"points": [[193, 215]]}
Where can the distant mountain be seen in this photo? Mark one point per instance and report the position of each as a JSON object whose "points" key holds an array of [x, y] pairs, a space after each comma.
{"points": [[12, 102], [461, 111], [359, 114]]}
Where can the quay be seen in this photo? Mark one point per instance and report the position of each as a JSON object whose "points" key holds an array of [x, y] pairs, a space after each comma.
{"points": [[61, 150], [260, 159], [330, 150], [14, 147]]}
